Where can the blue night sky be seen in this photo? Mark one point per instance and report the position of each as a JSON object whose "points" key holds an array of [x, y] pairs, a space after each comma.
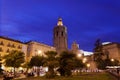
{"points": [[86, 20]]}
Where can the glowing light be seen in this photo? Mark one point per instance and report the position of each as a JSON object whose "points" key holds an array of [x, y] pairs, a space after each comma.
{"points": [[39, 51], [3, 67], [88, 65], [86, 52], [60, 22], [84, 60], [112, 60], [20, 68], [79, 55], [104, 43]]}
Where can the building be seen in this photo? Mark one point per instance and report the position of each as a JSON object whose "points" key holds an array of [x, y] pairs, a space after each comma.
{"points": [[112, 50], [75, 47], [8, 44], [60, 37], [36, 48]]}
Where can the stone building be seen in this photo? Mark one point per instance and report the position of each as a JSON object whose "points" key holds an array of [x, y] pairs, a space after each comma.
{"points": [[60, 37], [112, 50], [75, 49], [36, 48], [8, 44]]}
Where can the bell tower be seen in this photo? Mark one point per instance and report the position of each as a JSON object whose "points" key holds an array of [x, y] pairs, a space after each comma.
{"points": [[60, 36]]}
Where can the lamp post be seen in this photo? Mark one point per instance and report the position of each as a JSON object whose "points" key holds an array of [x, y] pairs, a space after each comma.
{"points": [[112, 60], [88, 65], [84, 60], [79, 55]]}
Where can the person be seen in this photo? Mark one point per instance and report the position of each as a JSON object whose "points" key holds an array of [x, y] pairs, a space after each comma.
{"points": [[118, 71]]}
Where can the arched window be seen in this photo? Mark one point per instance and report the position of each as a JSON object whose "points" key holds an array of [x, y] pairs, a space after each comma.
{"points": [[57, 33], [9, 45], [1, 43], [62, 33]]}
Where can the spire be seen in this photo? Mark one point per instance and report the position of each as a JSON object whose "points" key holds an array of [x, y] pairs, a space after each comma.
{"points": [[60, 22]]}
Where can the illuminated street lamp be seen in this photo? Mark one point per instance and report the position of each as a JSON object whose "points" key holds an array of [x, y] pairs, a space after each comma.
{"points": [[79, 55], [112, 60], [88, 65], [84, 60]]}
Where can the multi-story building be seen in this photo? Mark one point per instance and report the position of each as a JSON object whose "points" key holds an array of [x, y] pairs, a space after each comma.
{"points": [[8, 44], [112, 50], [36, 48]]}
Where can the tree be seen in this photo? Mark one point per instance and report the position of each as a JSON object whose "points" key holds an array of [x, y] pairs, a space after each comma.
{"points": [[27, 66], [98, 54], [79, 64], [37, 61], [14, 59], [67, 62], [52, 63], [98, 50]]}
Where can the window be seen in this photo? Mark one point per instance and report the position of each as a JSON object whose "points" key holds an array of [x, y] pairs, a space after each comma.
{"points": [[62, 33], [1, 43], [1, 49], [13, 46], [57, 33], [19, 47], [8, 51], [9, 45]]}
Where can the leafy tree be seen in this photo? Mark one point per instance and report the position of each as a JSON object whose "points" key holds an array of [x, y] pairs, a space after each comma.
{"points": [[79, 64], [68, 62], [37, 61], [14, 59], [108, 62], [98, 57], [98, 54], [98, 50], [27, 66], [52, 63], [115, 63]]}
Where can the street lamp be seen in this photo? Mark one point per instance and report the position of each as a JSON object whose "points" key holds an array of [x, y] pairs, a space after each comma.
{"points": [[88, 66], [112, 60], [79, 55], [84, 60]]}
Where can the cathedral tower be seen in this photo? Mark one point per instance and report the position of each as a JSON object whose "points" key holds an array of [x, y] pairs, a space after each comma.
{"points": [[60, 37]]}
